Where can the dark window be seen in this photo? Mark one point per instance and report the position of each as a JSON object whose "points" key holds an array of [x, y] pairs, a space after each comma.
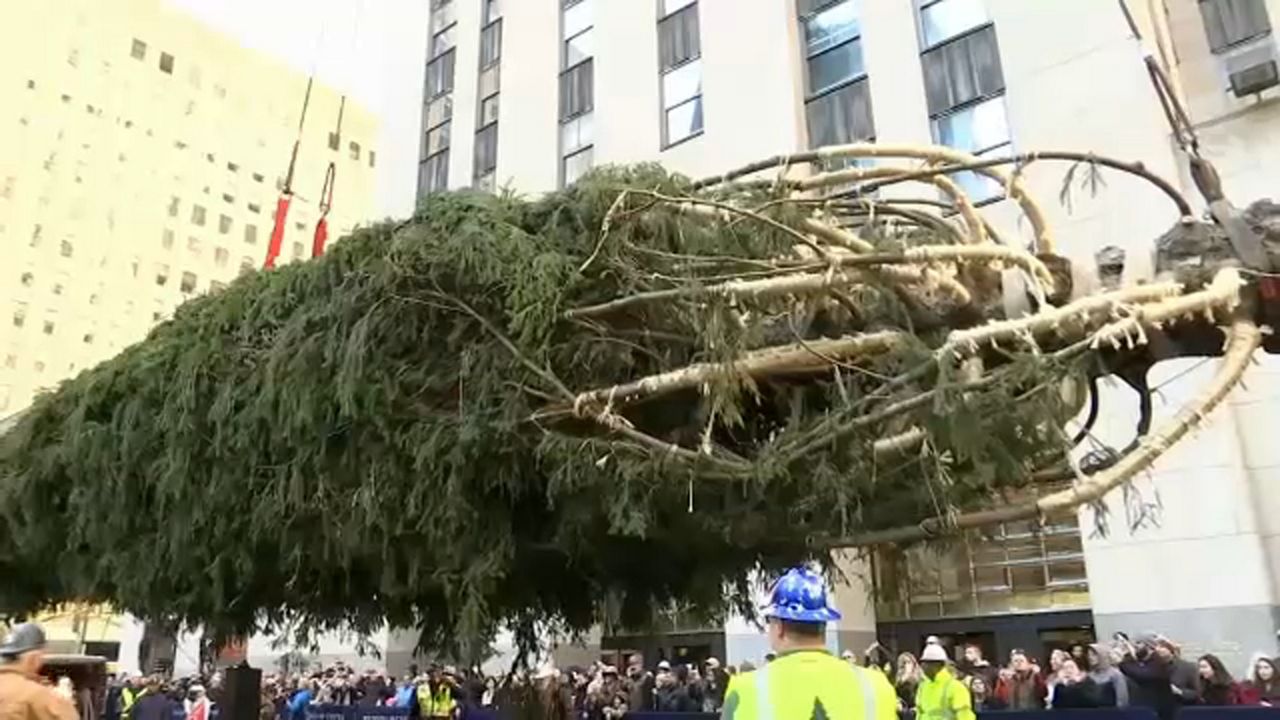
{"points": [[577, 90], [440, 75], [490, 44], [433, 173], [1231, 22], [492, 10], [334, 141], [355, 150], [373, 158], [173, 206], [188, 283], [139, 50], [197, 214], [224, 224], [962, 71], [437, 139], [166, 63], [251, 234], [488, 110], [65, 249], [678, 41], [255, 208], [259, 177], [841, 116], [486, 150]]}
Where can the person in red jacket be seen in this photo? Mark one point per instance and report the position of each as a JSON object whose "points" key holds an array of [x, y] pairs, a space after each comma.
{"points": [[1021, 686], [1263, 687], [1216, 684]]}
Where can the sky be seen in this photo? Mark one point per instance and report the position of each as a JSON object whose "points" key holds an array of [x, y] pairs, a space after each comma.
{"points": [[374, 50]]}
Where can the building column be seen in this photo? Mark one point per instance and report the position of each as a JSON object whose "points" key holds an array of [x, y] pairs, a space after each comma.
{"points": [[1191, 549]]}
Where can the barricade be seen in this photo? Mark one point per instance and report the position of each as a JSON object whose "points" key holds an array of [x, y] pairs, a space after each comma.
{"points": [[355, 712]]}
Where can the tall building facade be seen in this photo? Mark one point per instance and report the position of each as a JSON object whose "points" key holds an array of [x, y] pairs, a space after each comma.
{"points": [[140, 164], [702, 86], [141, 158]]}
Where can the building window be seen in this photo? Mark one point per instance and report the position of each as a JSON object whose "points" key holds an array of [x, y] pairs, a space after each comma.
{"points": [[188, 283], [251, 234], [373, 158], [433, 173], [221, 257], [166, 239], [964, 85], [224, 224], [27, 279], [255, 208], [197, 215], [65, 249], [194, 245], [166, 63], [577, 89], [162, 274], [88, 339], [19, 317], [173, 206], [139, 50], [297, 251], [246, 265], [444, 40], [355, 150], [335, 142], [259, 177], [679, 54], [48, 327], [440, 75], [490, 44], [492, 10], [1233, 22], [837, 94], [215, 286], [486, 160]]}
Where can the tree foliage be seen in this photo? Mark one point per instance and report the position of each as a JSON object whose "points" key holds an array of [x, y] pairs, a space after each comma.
{"points": [[438, 425]]}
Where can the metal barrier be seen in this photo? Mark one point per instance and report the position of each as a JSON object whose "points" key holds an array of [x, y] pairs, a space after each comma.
{"points": [[354, 712]]}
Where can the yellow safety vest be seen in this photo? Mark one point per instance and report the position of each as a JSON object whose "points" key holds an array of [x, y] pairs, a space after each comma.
{"points": [[807, 684], [441, 705], [943, 698], [128, 697]]}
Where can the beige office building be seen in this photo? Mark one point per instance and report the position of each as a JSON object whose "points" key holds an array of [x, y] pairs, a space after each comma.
{"points": [[141, 158], [531, 93], [140, 163]]}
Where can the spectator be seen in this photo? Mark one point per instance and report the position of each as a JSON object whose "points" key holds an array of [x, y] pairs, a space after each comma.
{"points": [[1263, 686], [1111, 682], [1074, 689], [608, 698], [673, 695], [198, 706], [975, 664], [1183, 675], [716, 680], [1151, 677], [1022, 687], [300, 699], [908, 680], [1056, 658], [1217, 687], [640, 690], [154, 704], [878, 657], [982, 696], [849, 657]]}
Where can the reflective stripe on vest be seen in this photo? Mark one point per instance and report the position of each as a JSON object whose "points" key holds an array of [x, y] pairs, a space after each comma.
{"points": [[868, 693]]}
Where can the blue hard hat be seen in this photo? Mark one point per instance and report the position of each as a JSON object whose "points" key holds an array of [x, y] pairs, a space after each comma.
{"points": [[800, 596]]}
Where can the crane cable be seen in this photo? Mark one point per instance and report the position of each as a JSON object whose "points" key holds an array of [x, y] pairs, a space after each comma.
{"points": [[286, 189], [331, 173]]}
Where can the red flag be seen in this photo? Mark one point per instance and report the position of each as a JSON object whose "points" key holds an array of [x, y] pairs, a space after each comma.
{"points": [[277, 234]]}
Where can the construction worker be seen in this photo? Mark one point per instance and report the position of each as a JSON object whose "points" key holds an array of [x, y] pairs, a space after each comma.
{"points": [[805, 681], [940, 695], [22, 697]]}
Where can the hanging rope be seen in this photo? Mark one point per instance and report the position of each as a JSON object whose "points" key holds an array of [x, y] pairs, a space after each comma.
{"points": [[331, 173]]}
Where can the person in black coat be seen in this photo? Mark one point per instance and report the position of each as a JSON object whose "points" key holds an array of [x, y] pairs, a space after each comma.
{"points": [[155, 704], [1075, 689], [1150, 678]]}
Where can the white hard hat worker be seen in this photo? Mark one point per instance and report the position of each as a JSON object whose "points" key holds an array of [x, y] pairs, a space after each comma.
{"points": [[805, 680], [940, 695], [21, 694]]}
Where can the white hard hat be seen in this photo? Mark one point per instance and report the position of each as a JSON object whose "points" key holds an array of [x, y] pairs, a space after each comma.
{"points": [[933, 653]]}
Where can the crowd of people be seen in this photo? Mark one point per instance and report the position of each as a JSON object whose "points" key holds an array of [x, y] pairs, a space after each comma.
{"points": [[1148, 672]]}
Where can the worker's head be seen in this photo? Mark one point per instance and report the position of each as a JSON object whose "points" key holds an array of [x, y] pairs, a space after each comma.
{"points": [[797, 613], [933, 659], [24, 646]]}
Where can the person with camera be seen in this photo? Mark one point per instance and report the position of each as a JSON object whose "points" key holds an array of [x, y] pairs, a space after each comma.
{"points": [[1150, 676]]}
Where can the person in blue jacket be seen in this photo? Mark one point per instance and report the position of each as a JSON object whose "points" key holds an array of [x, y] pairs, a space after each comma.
{"points": [[298, 703]]}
